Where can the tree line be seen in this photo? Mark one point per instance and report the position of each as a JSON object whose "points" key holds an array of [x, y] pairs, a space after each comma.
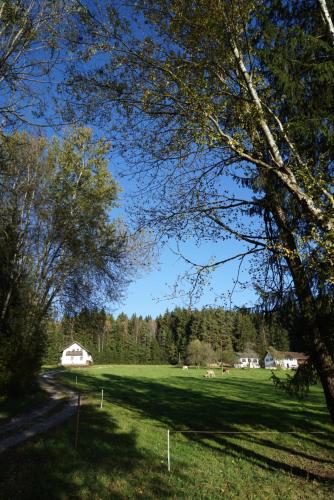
{"points": [[167, 338]]}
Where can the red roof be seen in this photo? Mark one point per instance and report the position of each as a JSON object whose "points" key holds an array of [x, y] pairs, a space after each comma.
{"points": [[296, 355]]}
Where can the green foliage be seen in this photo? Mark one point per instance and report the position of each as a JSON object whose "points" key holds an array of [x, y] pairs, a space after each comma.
{"points": [[299, 383], [228, 356], [200, 353], [244, 332], [54, 343], [58, 243]]}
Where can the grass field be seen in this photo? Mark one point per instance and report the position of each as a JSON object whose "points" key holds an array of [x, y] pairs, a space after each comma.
{"points": [[122, 449]]}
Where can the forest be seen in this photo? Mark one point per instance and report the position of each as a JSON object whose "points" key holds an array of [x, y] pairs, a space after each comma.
{"points": [[166, 339]]}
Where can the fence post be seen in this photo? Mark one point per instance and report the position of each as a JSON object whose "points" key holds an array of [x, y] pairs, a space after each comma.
{"points": [[101, 405], [168, 451], [77, 422]]}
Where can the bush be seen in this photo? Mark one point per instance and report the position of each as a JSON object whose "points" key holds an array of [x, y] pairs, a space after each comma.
{"points": [[200, 353]]}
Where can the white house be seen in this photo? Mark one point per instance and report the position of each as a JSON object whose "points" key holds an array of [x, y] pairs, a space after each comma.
{"points": [[76, 355], [249, 359], [284, 359]]}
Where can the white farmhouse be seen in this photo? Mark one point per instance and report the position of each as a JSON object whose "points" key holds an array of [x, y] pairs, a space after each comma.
{"points": [[284, 359], [76, 355], [249, 359]]}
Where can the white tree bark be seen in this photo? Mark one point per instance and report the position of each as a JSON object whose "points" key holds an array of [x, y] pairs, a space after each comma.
{"points": [[282, 171], [327, 18]]}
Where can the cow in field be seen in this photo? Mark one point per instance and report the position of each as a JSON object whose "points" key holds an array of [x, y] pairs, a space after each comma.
{"points": [[184, 367], [209, 374]]}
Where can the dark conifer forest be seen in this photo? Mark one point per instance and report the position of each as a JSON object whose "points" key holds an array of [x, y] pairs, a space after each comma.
{"points": [[165, 339]]}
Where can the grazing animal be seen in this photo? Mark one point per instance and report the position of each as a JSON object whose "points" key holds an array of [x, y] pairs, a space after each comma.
{"points": [[209, 374], [184, 367], [226, 370]]}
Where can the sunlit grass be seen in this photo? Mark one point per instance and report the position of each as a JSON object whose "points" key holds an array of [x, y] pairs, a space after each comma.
{"points": [[122, 449]]}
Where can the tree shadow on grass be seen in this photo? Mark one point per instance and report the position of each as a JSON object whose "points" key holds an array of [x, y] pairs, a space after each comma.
{"points": [[200, 407], [106, 464], [13, 407], [286, 462], [323, 441], [259, 390], [204, 408], [263, 441]]}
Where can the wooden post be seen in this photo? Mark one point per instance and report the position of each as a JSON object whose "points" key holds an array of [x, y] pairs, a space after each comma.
{"points": [[222, 357], [77, 423], [168, 451], [101, 405]]}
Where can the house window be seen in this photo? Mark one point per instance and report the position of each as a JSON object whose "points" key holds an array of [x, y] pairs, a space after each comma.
{"points": [[81, 358], [243, 360]]}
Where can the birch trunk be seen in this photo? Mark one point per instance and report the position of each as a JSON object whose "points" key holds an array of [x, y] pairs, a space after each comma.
{"points": [[282, 171], [327, 19]]}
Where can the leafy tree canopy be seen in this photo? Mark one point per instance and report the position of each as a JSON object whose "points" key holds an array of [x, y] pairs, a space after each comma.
{"points": [[58, 244]]}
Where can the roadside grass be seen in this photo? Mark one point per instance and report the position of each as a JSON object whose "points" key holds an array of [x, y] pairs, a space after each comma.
{"points": [[47, 368], [13, 407], [122, 448]]}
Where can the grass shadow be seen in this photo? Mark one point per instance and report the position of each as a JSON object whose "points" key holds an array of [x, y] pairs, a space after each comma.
{"points": [[106, 464], [14, 407], [199, 404]]}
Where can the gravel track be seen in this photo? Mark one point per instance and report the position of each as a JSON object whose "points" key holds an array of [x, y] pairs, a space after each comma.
{"points": [[37, 420]]}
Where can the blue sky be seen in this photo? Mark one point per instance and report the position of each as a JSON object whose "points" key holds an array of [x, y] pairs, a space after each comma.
{"points": [[152, 292], [148, 295]]}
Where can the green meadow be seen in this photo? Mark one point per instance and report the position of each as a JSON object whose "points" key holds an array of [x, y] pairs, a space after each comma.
{"points": [[259, 442]]}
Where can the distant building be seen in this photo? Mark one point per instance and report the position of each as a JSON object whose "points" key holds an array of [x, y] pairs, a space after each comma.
{"points": [[248, 359], [284, 359], [76, 355]]}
